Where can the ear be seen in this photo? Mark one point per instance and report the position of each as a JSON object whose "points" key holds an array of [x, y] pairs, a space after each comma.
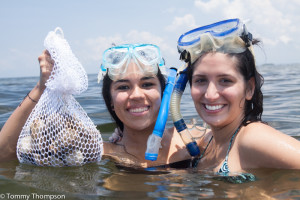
{"points": [[250, 88]]}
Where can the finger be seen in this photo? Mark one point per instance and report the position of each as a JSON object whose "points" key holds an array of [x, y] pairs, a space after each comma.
{"points": [[50, 60], [46, 52]]}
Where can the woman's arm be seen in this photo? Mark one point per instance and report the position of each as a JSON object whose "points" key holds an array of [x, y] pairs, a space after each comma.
{"points": [[13, 126], [262, 146]]}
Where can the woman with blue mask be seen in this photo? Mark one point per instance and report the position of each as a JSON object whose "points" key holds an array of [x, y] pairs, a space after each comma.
{"points": [[226, 90], [133, 84]]}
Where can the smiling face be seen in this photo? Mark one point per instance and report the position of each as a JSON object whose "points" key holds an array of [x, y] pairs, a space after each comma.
{"points": [[219, 90], [136, 100]]}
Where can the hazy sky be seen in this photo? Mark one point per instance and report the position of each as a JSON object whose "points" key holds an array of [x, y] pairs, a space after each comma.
{"points": [[91, 26]]}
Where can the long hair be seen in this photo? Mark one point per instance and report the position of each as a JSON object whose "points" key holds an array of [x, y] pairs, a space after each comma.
{"points": [[246, 66]]}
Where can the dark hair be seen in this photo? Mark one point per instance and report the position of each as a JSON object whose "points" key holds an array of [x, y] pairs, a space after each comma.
{"points": [[108, 100], [246, 66]]}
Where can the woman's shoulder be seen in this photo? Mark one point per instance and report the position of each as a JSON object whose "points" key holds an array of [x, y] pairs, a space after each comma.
{"points": [[261, 145], [171, 135], [259, 130], [109, 147], [256, 133], [196, 133]]}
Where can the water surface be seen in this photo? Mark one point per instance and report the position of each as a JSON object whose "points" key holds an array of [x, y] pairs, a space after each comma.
{"points": [[105, 180]]}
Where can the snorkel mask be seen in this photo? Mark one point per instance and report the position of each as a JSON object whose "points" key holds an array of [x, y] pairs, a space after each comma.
{"points": [[115, 60], [228, 36]]}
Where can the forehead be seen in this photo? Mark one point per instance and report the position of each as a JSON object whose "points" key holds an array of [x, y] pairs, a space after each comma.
{"points": [[216, 62], [135, 78]]}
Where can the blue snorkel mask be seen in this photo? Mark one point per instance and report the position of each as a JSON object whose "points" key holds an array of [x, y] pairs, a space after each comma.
{"points": [[228, 36], [115, 60]]}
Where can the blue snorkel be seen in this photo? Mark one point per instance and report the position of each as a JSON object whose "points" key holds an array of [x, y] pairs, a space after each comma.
{"points": [[154, 140], [178, 121]]}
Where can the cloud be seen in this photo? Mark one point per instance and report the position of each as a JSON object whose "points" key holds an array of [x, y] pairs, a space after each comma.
{"points": [[187, 21], [208, 6], [285, 39], [92, 48], [273, 21]]}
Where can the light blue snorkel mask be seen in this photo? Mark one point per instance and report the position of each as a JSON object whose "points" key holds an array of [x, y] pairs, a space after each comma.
{"points": [[115, 60]]}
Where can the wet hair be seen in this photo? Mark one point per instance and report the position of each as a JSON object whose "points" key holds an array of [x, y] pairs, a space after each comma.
{"points": [[247, 68], [108, 99]]}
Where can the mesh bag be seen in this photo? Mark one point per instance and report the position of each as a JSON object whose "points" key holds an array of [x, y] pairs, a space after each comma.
{"points": [[58, 131]]}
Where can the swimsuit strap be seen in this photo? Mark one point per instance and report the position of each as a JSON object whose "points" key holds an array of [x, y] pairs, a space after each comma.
{"points": [[196, 161], [224, 168]]}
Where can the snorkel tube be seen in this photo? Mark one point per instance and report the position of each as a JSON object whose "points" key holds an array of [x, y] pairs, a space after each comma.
{"points": [[178, 121], [154, 140]]}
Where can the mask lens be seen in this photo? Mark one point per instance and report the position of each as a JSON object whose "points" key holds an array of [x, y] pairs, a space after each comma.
{"points": [[115, 57], [219, 29], [224, 29], [147, 54], [116, 60]]}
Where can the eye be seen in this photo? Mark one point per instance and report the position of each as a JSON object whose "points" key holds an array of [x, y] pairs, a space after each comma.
{"points": [[199, 80], [147, 85], [225, 80], [123, 87]]}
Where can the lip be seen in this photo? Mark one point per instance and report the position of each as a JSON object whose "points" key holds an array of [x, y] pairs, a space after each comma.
{"points": [[213, 108], [140, 110]]}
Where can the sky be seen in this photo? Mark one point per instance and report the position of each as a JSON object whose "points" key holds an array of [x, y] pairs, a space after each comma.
{"points": [[91, 26]]}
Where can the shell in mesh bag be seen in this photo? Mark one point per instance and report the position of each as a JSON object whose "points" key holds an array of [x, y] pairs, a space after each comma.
{"points": [[58, 131]]}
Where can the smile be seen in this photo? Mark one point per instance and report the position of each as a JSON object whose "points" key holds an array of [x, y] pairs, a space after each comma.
{"points": [[139, 110], [213, 108]]}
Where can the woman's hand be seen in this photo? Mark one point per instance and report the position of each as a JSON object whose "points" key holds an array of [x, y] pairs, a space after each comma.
{"points": [[46, 67]]}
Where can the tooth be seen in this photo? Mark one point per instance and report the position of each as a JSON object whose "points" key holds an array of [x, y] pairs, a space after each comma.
{"points": [[213, 107], [136, 110]]}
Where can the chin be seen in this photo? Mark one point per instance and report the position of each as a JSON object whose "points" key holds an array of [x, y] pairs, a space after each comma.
{"points": [[213, 123]]}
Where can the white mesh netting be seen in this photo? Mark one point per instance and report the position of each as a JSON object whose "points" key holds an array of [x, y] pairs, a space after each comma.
{"points": [[58, 131]]}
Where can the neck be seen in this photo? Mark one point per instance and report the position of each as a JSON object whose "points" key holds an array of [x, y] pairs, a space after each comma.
{"points": [[135, 141], [224, 134]]}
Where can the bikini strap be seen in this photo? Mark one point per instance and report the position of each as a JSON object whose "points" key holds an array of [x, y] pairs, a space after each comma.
{"points": [[230, 143], [225, 165], [224, 170], [196, 161]]}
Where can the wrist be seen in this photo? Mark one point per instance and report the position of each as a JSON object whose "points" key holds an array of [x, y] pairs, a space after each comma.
{"points": [[34, 101], [36, 93]]}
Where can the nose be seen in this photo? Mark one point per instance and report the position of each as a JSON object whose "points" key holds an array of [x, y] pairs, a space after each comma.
{"points": [[137, 93], [212, 92]]}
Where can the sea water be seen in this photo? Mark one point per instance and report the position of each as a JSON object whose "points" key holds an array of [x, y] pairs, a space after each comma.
{"points": [[104, 180]]}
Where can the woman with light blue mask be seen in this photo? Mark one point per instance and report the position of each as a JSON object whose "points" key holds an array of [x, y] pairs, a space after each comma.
{"points": [[133, 83], [226, 90]]}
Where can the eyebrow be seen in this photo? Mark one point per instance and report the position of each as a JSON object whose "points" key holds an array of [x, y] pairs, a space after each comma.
{"points": [[147, 78], [220, 75], [121, 81], [142, 79]]}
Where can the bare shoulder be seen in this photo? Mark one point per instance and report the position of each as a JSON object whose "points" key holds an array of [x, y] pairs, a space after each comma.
{"points": [[258, 133], [260, 145], [200, 134], [171, 136], [109, 147]]}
